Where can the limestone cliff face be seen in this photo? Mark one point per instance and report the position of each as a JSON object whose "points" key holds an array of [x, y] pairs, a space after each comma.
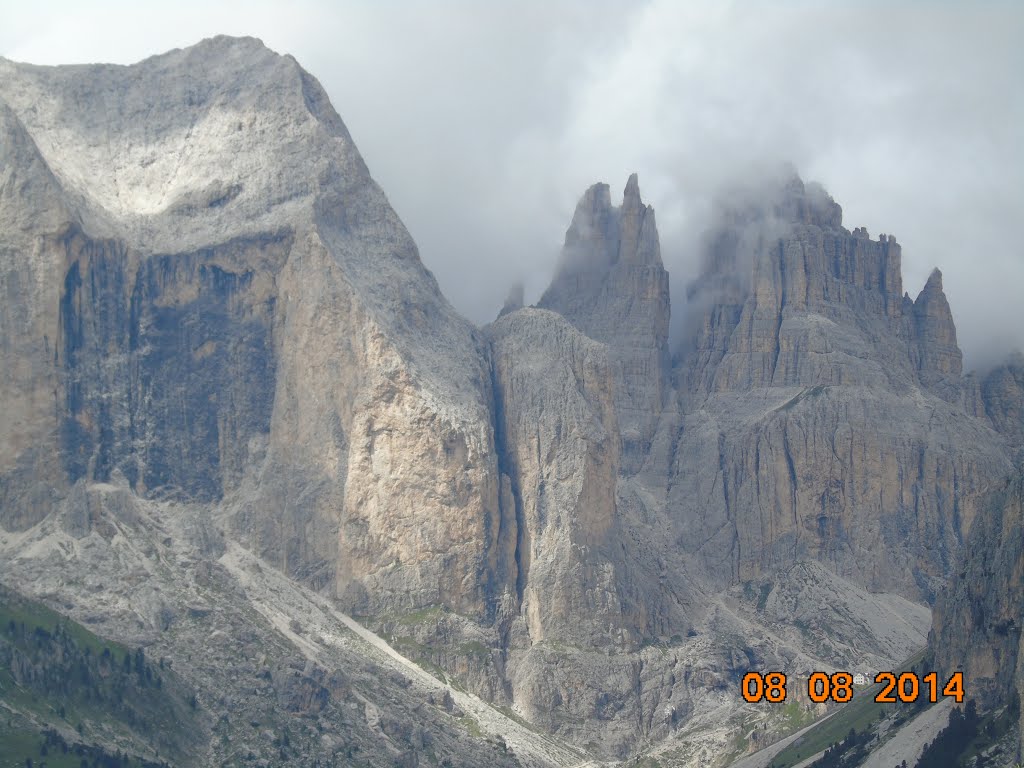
{"points": [[612, 285], [783, 292], [209, 294], [559, 440], [30, 264], [823, 415], [978, 618], [1002, 398], [938, 359]]}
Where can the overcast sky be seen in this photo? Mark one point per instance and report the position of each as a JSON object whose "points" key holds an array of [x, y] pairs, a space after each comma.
{"points": [[485, 122]]}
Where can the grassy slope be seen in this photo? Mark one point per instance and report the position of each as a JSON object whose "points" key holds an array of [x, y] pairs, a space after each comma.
{"points": [[57, 676], [859, 714]]}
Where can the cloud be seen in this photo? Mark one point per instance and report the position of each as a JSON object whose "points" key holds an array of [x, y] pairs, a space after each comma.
{"points": [[484, 122]]}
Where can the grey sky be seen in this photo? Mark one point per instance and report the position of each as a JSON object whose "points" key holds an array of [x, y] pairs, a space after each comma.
{"points": [[484, 122]]}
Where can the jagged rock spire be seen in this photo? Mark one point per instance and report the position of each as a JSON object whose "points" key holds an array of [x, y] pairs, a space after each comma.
{"points": [[780, 252], [938, 355], [612, 285], [514, 300]]}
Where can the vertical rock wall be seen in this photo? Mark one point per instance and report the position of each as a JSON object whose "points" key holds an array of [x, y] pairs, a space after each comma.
{"points": [[560, 440], [823, 406], [978, 619], [611, 284]]}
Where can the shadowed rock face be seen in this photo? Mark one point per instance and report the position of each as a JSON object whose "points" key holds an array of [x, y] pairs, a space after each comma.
{"points": [[822, 406], [979, 616], [168, 363], [559, 439], [1002, 399]]}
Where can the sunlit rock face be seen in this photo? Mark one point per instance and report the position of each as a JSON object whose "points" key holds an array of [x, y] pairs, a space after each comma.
{"points": [[210, 294]]}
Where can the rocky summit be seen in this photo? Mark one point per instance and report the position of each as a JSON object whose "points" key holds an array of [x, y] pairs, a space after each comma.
{"points": [[245, 434]]}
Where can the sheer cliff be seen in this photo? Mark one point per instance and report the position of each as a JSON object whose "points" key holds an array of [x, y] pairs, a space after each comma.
{"points": [[216, 300], [977, 622], [823, 414], [215, 328], [612, 285], [979, 614]]}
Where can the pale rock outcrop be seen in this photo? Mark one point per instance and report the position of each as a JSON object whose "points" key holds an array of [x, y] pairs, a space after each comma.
{"points": [[212, 296], [34, 216]]}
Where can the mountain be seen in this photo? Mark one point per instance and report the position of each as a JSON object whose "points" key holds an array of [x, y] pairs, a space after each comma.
{"points": [[216, 325], [977, 624], [979, 614], [613, 286], [244, 430], [835, 402], [173, 320]]}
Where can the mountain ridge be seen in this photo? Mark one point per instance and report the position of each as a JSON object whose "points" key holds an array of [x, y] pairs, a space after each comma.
{"points": [[222, 330]]}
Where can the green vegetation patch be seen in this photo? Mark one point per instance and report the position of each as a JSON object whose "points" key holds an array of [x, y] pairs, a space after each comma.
{"points": [[63, 688], [421, 616], [24, 747], [860, 715], [475, 648], [967, 736], [471, 726]]}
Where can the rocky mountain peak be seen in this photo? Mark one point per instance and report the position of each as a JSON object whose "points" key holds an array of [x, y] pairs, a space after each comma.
{"points": [[933, 286], [213, 238], [631, 196], [612, 285], [783, 284], [239, 44], [601, 236], [780, 199], [809, 204], [938, 356], [175, 150], [217, 49]]}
